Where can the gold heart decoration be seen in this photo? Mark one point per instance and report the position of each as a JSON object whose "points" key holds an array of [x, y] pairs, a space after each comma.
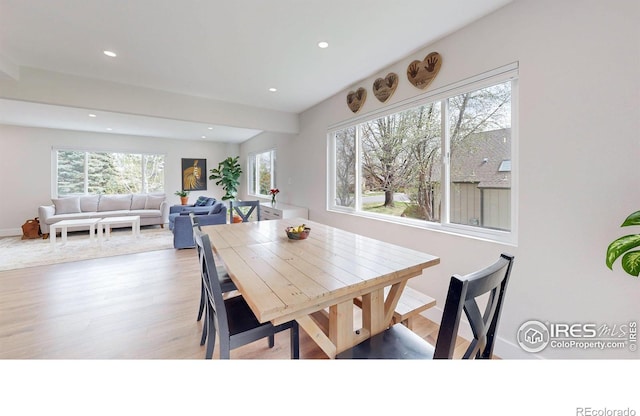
{"points": [[383, 88], [355, 99], [422, 73]]}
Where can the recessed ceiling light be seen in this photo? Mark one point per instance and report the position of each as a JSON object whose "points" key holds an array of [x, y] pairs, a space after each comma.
{"points": [[323, 44], [92, 115], [273, 89], [210, 128], [110, 53], [203, 137], [109, 129]]}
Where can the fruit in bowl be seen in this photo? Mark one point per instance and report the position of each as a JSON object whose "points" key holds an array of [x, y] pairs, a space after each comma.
{"points": [[298, 233]]}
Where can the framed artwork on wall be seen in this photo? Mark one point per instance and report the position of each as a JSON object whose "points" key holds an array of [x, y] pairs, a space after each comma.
{"points": [[194, 174]]}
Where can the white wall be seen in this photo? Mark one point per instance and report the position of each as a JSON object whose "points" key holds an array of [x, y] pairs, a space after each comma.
{"points": [[285, 173], [25, 165], [579, 125]]}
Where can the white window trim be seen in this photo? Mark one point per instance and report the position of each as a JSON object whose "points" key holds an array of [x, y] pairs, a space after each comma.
{"points": [[252, 159], [502, 74], [54, 165]]}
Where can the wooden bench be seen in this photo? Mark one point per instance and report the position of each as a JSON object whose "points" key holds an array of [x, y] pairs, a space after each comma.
{"points": [[410, 305]]}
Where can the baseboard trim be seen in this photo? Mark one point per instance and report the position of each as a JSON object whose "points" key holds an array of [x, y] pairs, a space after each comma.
{"points": [[10, 232]]}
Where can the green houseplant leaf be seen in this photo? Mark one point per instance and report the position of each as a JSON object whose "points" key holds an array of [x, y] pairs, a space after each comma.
{"points": [[227, 174], [621, 246], [633, 219], [631, 263]]}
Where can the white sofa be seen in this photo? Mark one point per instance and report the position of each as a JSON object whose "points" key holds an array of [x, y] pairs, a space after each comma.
{"points": [[152, 209]]}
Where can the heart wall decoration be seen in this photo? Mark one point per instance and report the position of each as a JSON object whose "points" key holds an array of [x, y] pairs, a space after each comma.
{"points": [[383, 88], [355, 99], [422, 73]]}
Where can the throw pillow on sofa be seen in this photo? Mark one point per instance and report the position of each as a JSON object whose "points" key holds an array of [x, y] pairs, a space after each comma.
{"points": [[69, 205], [202, 201], [89, 203], [153, 202], [114, 202], [138, 201]]}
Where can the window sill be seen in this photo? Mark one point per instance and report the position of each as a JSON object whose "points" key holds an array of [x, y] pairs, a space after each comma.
{"points": [[465, 231]]}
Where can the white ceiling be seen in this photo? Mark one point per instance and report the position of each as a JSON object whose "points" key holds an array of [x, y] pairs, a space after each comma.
{"points": [[231, 51]]}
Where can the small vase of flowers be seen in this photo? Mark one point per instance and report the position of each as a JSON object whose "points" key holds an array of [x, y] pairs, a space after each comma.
{"points": [[273, 192]]}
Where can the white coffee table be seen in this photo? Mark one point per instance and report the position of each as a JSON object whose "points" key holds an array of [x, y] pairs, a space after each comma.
{"points": [[106, 224], [65, 224]]}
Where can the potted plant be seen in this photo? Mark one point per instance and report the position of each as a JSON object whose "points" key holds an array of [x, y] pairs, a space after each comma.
{"points": [[184, 197], [630, 260], [227, 174]]}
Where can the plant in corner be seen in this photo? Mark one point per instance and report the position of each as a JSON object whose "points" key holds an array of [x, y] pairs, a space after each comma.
{"points": [[227, 174], [631, 259]]}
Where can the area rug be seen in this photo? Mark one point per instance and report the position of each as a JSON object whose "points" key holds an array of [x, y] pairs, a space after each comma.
{"points": [[16, 253]]}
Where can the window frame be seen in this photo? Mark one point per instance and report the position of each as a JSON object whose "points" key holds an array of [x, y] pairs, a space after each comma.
{"points": [[87, 152], [253, 187], [507, 73]]}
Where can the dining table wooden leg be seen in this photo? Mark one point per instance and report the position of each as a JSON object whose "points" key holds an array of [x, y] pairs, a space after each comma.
{"points": [[377, 312], [341, 325], [317, 335], [373, 311], [391, 302]]}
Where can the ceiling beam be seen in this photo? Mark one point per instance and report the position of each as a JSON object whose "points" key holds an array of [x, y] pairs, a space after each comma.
{"points": [[46, 87]]}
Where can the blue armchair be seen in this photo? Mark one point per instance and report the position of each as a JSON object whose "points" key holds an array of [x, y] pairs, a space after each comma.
{"points": [[180, 224]]}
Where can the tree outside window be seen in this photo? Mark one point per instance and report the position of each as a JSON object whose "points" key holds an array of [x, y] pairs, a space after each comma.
{"points": [[262, 173], [452, 154], [345, 167], [80, 172]]}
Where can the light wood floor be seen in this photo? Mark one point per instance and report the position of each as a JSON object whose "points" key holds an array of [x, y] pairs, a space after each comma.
{"points": [[138, 306]]}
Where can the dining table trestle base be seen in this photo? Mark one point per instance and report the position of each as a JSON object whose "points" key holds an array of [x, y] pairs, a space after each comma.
{"points": [[315, 281]]}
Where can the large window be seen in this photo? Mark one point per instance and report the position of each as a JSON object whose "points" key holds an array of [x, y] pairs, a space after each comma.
{"points": [[262, 173], [80, 172], [444, 162]]}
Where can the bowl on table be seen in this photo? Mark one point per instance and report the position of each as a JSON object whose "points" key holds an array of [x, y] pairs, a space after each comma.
{"points": [[293, 235]]}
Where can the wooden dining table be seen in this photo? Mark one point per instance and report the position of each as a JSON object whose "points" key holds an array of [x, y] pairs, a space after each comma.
{"points": [[315, 280]]}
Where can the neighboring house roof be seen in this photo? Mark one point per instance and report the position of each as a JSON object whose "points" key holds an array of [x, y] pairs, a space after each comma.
{"points": [[484, 158]]}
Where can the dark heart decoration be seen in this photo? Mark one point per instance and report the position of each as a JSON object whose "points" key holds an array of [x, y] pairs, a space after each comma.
{"points": [[421, 73], [383, 88], [355, 99]]}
